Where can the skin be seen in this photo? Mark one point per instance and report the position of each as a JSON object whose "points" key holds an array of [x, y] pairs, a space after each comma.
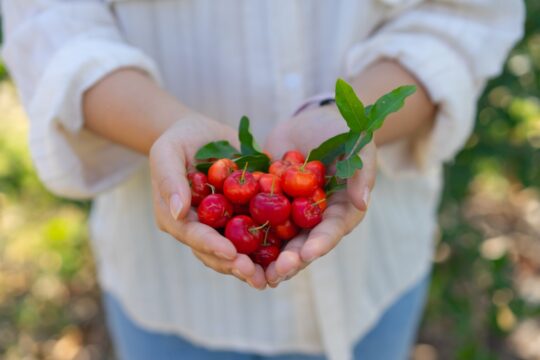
{"points": [[129, 108], [346, 209]]}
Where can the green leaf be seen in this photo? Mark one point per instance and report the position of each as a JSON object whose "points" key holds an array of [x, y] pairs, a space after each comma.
{"points": [[387, 104], [346, 168], [356, 141], [330, 149], [350, 106], [203, 166], [217, 150], [248, 145], [258, 162], [334, 184]]}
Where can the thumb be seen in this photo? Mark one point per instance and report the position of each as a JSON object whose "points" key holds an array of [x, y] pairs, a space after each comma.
{"points": [[360, 185], [168, 168]]}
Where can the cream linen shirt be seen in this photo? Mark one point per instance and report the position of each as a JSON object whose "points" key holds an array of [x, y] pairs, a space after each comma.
{"points": [[260, 58]]}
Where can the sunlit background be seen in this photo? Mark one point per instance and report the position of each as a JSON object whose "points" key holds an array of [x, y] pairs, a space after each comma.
{"points": [[485, 297]]}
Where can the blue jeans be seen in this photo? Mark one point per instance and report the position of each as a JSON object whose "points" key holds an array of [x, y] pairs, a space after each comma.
{"points": [[390, 339]]}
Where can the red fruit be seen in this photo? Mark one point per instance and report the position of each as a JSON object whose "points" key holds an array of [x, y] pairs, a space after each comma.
{"points": [[198, 182], [265, 255], [305, 213], [244, 234], [294, 157], [318, 169], [219, 171], [279, 167], [215, 210], [272, 208], [267, 181], [257, 174], [285, 231], [240, 187], [319, 198], [299, 182]]}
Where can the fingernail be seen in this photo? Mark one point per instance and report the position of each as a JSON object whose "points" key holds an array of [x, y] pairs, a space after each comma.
{"points": [[366, 196], [223, 256], [251, 284], [278, 280], [237, 273], [175, 205]]}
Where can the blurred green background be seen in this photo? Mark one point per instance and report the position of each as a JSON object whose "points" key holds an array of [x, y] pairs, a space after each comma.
{"points": [[485, 297]]}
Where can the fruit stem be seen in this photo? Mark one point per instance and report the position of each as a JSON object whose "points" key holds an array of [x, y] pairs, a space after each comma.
{"points": [[265, 241], [306, 161], [212, 187], [319, 201], [243, 173], [261, 226]]}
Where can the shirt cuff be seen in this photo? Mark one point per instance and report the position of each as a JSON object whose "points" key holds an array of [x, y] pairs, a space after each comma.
{"points": [[445, 76], [70, 160]]}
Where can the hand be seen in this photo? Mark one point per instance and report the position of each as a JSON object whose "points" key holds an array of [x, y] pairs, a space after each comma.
{"points": [[169, 158], [345, 210]]}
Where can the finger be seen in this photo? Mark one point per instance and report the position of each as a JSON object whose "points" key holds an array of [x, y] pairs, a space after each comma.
{"points": [[360, 185], [215, 263], [242, 268], [339, 219], [258, 280], [198, 236], [168, 167], [288, 263]]}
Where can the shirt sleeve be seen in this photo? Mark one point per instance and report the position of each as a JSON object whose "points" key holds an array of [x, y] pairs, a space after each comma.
{"points": [[55, 50], [452, 47]]}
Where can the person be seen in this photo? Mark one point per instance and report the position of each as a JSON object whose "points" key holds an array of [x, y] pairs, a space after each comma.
{"points": [[121, 94]]}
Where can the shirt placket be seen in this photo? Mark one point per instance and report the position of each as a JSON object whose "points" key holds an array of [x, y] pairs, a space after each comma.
{"points": [[290, 61]]}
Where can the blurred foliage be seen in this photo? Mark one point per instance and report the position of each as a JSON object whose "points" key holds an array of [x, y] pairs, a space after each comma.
{"points": [[473, 304], [481, 305], [49, 300]]}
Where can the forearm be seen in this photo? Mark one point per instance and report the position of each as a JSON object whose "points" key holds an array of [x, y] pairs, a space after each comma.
{"points": [[414, 119], [129, 108]]}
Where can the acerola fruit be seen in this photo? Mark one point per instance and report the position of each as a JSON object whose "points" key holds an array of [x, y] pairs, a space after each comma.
{"points": [[257, 174], [198, 182], [285, 231], [215, 210], [305, 213], [272, 208], [319, 198], [244, 234], [279, 167], [240, 187], [318, 169], [270, 183], [299, 182], [219, 171], [294, 157], [265, 255]]}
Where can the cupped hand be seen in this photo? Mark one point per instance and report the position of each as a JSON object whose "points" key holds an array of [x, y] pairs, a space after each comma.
{"points": [[170, 156], [346, 208]]}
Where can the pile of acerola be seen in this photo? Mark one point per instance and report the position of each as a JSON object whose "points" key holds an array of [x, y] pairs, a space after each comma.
{"points": [[259, 212]]}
